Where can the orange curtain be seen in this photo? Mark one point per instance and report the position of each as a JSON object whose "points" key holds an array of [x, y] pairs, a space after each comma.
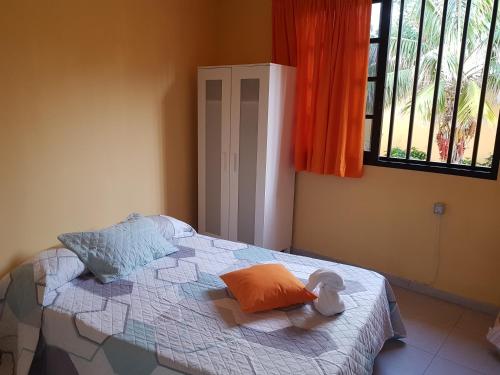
{"points": [[328, 41]]}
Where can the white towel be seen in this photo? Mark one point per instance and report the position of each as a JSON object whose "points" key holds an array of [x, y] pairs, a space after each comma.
{"points": [[330, 284], [494, 334]]}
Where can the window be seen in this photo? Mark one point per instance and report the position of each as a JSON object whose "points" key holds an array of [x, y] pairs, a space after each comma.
{"points": [[433, 95]]}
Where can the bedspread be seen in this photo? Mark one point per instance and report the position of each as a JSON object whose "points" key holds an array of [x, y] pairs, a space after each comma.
{"points": [[175, 315]]}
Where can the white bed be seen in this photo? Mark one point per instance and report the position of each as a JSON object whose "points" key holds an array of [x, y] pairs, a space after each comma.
{"points": [[175, 316]]}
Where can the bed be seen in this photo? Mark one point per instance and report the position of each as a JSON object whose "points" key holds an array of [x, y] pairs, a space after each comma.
{"points": [[175, 316]]}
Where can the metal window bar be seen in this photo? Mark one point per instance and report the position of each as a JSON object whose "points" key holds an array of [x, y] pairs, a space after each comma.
{"points": [[453, 127], [373, 157], [396, 72], [484, 83], [436, 85], [415, 79], [496, 151], [378, 105]]}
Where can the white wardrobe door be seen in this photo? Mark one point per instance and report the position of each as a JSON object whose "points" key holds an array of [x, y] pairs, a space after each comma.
{"points": [[248, 114], [213, 150]]}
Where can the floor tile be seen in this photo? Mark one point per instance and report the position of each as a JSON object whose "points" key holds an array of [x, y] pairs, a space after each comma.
{"points": [[425, 335], [428, 320], [427, 309], [476, 321], [443, 339], [440, 366], [468, 347], [397, 358]]}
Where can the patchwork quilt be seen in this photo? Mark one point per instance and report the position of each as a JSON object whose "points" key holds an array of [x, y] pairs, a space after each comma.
{"points": [[175, 316]]}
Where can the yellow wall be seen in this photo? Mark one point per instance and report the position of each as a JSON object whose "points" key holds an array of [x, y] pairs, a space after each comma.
{"points": [[384, 220], [97, 114], [244, 32]]}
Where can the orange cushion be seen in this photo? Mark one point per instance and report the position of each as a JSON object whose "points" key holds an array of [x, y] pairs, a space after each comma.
{"points": [[265, 287]]}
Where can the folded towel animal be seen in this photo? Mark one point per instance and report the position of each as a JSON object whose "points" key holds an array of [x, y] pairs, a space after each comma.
{"points": [[330, 283], [494, 334]]}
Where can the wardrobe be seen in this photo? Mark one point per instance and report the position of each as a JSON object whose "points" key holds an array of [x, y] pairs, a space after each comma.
{"points": [[246, 178]]}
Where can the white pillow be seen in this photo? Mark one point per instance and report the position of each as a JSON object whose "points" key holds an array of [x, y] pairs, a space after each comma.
{"points": [[52, 269], [170, 227]]}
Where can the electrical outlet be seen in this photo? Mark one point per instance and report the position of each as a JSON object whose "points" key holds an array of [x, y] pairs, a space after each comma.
{"points": [[439, 208]]}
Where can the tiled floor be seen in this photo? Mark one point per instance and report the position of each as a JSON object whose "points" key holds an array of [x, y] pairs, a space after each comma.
{"points": [[443, 339]]}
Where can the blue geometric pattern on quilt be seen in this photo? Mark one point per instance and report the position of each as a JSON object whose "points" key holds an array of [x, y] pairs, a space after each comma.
{"points": [[175, 316]]}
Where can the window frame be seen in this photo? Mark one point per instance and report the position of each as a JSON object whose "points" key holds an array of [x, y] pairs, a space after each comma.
{"points": [[372, 157]]}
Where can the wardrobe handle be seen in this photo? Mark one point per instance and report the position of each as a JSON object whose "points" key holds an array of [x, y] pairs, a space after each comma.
{"points": [[235, 162], [224, 160]]}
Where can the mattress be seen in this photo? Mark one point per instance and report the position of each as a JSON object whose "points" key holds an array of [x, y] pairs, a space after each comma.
{"points": [[175, 315]]}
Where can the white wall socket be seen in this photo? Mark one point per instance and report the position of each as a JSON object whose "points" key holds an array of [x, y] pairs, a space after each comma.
{"points": [[439, 208]]}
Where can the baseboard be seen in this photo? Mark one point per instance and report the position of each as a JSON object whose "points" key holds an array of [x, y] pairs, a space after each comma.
{"points": [[417, 287]]}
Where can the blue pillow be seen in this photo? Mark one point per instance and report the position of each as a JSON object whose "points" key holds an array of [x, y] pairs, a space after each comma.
{"points": [[116, 251]]}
